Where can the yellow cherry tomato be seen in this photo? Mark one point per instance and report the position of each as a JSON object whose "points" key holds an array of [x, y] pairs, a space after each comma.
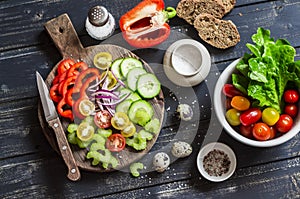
{"points": [[112, 81], [86, 107], [270, 116], [103, 60], [233, 117], [120, 120], [129, 130], [85, 131]]}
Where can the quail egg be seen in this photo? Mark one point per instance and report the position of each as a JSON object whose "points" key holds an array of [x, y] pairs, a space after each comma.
{"points": [[185, 112], [181, 149], [161, 161]]}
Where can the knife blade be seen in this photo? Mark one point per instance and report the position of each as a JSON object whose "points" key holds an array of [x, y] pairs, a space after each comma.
{"points": [[54, 121]]}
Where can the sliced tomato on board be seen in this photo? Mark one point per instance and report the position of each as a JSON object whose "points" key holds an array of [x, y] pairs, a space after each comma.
{"points": [[116, 142], [103, 119]]}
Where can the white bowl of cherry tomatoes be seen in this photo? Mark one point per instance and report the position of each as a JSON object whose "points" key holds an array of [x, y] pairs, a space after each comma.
{"points": [[252, 125]]}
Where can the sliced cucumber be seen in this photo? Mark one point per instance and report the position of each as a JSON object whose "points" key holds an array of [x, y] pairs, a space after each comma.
{"points": [[124, 91], [132, 77], [133, 95], [115, 68], [128, 64], [140, 112], [148, 86], [124, 106]]}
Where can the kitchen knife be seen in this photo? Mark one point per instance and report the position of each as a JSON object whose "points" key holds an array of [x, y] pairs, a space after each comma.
{"points": [[53, 121]]}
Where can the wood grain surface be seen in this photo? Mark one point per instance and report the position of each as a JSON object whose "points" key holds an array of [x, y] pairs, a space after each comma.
{"points": [[30, 168]]}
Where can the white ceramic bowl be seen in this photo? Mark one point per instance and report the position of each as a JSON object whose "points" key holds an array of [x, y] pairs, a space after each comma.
{"points": [[222, 147], [187, 59], [219, 106]]}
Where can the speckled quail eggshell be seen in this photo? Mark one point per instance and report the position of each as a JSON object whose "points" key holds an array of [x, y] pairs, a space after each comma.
{"points": [[181, 149], [161, 161]]}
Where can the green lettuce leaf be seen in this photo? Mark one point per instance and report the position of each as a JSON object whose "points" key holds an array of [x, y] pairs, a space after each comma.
{"points": [[268, 70]]}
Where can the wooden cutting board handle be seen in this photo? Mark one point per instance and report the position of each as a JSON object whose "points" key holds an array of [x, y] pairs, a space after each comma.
{"points": [[63, 34]]}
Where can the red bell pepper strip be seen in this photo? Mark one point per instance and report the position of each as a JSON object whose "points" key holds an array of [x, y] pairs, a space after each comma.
{"points": [[75, 107], [83, 76], [145, 25], [69, 97], [63, 111], [54, 93], [64, 65], [77, 68]]}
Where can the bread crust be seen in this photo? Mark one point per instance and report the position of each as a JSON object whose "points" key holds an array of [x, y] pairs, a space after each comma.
{"points": [[229, 5], [190, 9], [217, 32]]}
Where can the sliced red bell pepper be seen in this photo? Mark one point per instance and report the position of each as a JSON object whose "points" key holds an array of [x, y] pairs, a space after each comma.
{"points": [[64, 65], [63, 109], [145, 25]]}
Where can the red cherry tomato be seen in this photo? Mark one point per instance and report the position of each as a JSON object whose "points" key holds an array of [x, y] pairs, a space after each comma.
{"points": [[261, 131], [250, 116], [291, 96], [116, 142], [228, 103], [246, 131], [291, 110], [284, 123], [273, 131], [230, 91], [103, 119]]}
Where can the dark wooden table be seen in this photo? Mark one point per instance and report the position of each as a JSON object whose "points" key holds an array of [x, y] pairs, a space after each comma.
{"points": [[30, 168]]}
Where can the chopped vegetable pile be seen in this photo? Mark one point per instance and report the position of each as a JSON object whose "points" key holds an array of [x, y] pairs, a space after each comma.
{"points": [[106, 104]]}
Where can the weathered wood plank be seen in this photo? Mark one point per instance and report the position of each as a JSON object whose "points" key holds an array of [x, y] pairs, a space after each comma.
{"points": [[42, 177], [24, 20]]}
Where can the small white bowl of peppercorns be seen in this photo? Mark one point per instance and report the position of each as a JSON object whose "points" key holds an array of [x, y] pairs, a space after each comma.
{"points": [[216, 162], [250, 124]]}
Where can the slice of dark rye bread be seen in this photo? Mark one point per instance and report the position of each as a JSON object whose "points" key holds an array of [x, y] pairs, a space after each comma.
{"points": [[190, 9], [229, 5], [217, 32]]}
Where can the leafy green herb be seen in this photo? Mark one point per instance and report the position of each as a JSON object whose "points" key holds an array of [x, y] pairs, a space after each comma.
{"points": [[265, 73]]}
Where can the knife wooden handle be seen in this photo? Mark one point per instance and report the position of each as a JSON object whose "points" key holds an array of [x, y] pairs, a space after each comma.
{"points": [[65, 150]]}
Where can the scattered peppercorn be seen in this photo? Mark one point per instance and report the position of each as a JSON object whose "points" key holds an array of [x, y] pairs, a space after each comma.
{"points": [[216, 163]]}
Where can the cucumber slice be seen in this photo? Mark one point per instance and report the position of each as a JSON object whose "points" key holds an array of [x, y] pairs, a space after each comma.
{"points": [[140, 112], [128, 64], [148, 86], [133, 96], [132, 77], [124, 106], [115, 68]]}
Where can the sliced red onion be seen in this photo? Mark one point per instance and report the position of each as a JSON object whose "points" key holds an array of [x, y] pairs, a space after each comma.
{"points": [[98, 82], [112, 103], [103, 92]]}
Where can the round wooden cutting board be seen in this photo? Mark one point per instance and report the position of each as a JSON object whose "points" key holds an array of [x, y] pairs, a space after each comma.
{"points": [[66, 40]]}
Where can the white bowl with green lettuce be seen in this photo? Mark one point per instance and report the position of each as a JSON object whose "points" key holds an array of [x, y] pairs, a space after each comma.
{"points": [[263, 75]]}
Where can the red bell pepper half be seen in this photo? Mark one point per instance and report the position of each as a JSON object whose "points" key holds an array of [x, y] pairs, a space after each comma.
{"points": [[145, 25]]}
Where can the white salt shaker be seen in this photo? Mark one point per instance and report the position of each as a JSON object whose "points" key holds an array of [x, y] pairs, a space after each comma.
{"points": [[100, 24]]}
